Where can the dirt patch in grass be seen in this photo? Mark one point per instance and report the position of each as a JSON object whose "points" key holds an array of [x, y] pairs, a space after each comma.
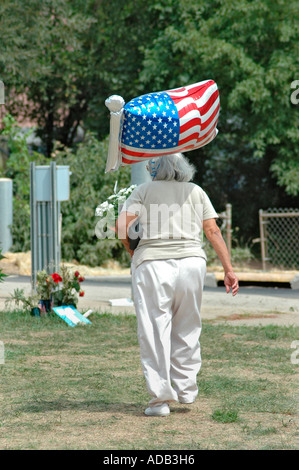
{"points": [[237, 316], [42, 334], [20, 342]]}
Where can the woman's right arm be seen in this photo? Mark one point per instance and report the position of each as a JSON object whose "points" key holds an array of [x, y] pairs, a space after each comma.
{"points": [[213, 234], [122, 225]]}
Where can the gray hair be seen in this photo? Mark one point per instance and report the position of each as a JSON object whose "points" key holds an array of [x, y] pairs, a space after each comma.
{"points": [[174, 167]]}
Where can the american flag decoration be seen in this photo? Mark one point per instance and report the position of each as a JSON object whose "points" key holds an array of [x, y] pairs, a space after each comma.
{"points": [[162, 123]]}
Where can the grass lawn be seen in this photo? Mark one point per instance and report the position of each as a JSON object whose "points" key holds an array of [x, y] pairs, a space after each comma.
{"points": [[83, 388]]}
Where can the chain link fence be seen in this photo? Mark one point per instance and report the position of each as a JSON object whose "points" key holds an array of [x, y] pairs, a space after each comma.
{"points": [[279, 237]]}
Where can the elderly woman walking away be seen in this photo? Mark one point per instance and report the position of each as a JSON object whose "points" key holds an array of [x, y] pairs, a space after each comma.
{"points": [[168, 272]]}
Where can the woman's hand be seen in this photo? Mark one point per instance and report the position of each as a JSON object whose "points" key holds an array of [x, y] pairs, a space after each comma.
{"points": [[231, 282]]}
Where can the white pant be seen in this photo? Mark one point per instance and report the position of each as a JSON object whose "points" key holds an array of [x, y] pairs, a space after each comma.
{"points": [[167, 296]]}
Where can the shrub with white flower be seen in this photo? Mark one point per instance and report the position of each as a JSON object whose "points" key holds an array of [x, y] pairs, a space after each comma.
{"points": [[109, 210]]}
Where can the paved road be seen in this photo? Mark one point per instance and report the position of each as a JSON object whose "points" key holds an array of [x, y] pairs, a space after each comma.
{"points": [[252, 305]]}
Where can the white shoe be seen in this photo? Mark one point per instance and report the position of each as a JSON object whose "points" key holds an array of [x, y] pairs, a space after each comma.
{"points": [[158, 410]]}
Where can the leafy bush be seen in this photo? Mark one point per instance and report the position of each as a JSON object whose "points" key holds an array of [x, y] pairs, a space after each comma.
{"points": [[89, 186], [17, 168]]}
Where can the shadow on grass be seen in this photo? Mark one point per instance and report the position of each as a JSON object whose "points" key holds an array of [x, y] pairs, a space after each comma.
{"points": [[91, 406]]}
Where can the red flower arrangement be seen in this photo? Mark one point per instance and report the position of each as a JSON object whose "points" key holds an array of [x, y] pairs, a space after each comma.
{"points": [[63, 287], [69, 287]]}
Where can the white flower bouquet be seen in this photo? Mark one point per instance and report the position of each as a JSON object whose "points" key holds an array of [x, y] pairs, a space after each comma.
{"points": [[109, 210]]}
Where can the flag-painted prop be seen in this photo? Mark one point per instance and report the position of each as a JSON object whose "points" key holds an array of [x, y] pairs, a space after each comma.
{"points": [[162, 123]]}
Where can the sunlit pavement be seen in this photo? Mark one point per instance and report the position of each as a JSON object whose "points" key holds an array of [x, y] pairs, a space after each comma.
{"points": [[251, 306]]}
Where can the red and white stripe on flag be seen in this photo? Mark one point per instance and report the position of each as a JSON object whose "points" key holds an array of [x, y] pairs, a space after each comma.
{"points": [[161, 123]]}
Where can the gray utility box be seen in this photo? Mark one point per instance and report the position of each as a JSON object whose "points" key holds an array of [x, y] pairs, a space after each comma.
{"points": [[6, 214], [49, 186], [43, 183]]}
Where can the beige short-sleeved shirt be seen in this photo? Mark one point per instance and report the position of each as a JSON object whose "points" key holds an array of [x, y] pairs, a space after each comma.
{"points": [[171, 214]]}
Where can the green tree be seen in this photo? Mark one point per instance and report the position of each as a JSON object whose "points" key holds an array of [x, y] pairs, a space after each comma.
{"points": [[67, 57], [250, 48], [43, 58]]}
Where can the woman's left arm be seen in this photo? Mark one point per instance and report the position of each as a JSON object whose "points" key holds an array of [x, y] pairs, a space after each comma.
{"points": [[122, 225], [213, 234]]}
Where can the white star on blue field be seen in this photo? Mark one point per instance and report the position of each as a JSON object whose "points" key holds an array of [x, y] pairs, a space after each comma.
{"points": [[151, 121]]}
